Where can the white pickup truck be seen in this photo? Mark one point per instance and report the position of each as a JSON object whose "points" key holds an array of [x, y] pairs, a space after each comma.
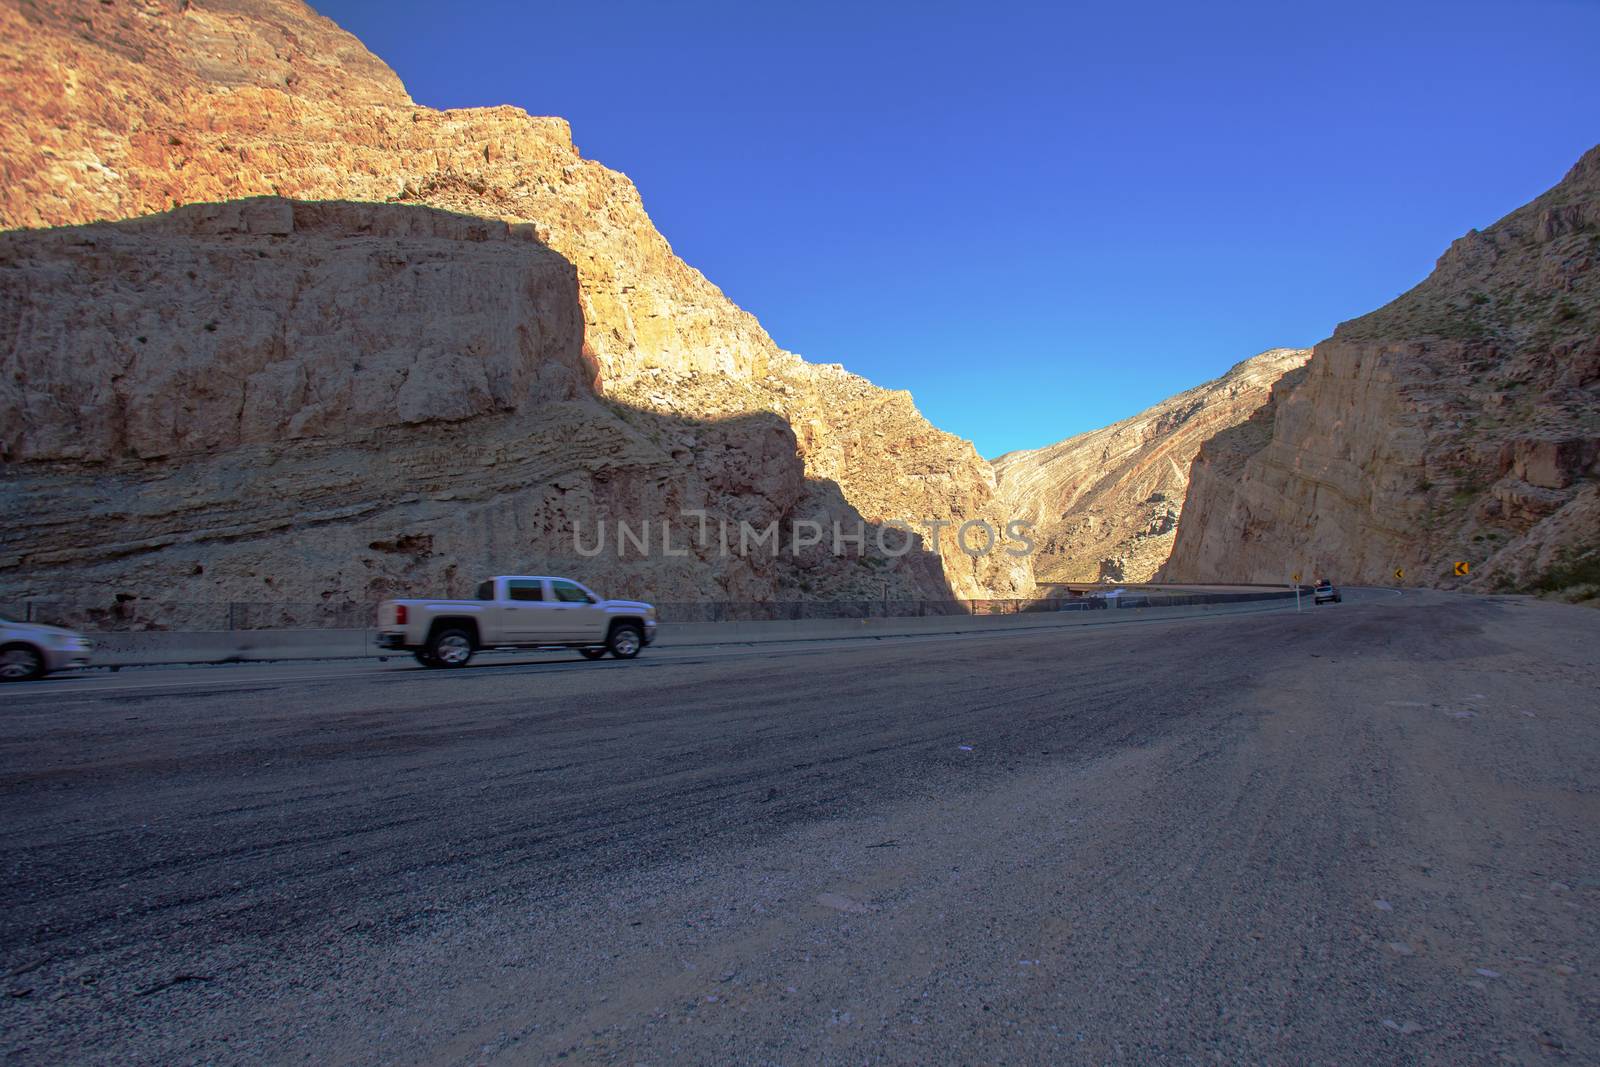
{"points": [[516, 611]]}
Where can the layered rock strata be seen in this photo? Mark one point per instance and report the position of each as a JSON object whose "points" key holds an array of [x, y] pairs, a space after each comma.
{"points": [[1460, 422], [1106, 504], [168, 366]]}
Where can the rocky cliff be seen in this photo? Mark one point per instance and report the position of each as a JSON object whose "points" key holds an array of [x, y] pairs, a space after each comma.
{"points": [[1106, 504], [1459, 422], [272, 331]]}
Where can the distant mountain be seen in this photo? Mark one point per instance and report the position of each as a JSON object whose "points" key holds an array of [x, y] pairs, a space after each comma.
{"points": [[1107, 503], [1461, 422]]}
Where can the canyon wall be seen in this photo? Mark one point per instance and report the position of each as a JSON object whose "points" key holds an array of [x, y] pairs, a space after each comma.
{"points": [[281, 404], [1107, 503], [271, 330], [1461, 422]]}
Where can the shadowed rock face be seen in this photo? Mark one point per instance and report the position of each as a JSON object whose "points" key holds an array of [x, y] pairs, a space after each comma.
{"points": [[1460, 422], [271, 400], [270, 330], [252, 322], [1106, 504]]}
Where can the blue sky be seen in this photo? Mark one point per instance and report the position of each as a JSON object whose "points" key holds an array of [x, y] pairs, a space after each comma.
{"points": [[1039, 218]]}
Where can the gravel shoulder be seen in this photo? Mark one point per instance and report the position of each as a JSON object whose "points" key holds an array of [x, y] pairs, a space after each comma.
{"points": [[1361, 834]]}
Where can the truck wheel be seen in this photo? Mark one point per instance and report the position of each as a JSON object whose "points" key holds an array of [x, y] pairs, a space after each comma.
{"points": [[591, 653], [625, 641], [450, 648], [424, 657], [20, 663]]}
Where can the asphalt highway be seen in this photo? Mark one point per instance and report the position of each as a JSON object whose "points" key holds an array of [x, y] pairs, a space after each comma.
{"points": [[1360, 833]]}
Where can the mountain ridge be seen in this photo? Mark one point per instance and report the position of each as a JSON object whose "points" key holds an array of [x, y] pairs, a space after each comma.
{"points": [[126, 116], [1106, 502], [1459, 423]]}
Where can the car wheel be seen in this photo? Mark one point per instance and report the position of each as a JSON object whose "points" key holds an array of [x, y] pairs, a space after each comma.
{"points": [[450, 648], [423, 657], [20, 663], [625, 641], [591, 653]]}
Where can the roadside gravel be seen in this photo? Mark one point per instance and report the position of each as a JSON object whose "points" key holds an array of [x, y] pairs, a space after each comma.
{"points": [[1363, 834]]}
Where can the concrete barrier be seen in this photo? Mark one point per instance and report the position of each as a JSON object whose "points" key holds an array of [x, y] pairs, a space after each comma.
{"points": [[152, 647], [164, 647]]}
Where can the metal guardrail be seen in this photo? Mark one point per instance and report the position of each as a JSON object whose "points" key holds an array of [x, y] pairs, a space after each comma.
{"points": [[139, 614]]}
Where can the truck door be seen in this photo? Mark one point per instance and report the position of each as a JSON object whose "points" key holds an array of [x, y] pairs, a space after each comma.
{"points": [[579, 615], [526, 618]]}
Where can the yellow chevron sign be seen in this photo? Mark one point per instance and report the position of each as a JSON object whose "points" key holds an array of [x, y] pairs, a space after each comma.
{"points": [[1295, 577], [1399, 574], [1462, 568]]}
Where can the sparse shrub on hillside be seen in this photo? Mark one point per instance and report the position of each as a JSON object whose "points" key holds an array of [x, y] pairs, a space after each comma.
{"points": [[1588, 595], [1576, 579]]}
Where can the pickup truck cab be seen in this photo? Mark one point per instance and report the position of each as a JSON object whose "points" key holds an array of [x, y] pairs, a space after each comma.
{"points": [[516, 612]]}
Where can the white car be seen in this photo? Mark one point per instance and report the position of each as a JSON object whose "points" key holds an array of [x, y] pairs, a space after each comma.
{"points": [[1325, 592], [29, 650], [516, 611]]}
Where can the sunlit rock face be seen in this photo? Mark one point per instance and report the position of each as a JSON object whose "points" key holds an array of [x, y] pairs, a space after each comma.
{"points": [[1460, 422], [1107, 504], [270, 330]]}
